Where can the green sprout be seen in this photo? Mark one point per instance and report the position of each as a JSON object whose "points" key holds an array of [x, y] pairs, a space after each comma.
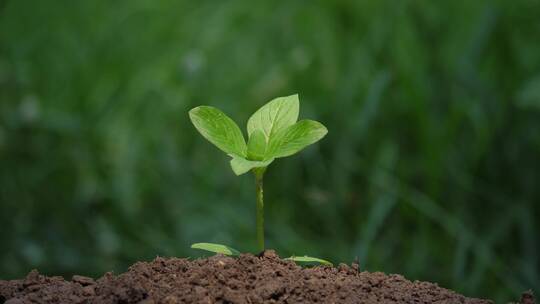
{"points": [[273, 132], [217, 248]]}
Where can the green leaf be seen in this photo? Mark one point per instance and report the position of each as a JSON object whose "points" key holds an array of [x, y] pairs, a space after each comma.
{"points": [[241, 165], [219, 129], [275, 116], [216, 248], [295, 138], [308, 259], [256, 145]]}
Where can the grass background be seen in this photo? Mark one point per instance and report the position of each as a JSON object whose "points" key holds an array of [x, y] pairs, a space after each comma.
{"points": [[431, 167]]}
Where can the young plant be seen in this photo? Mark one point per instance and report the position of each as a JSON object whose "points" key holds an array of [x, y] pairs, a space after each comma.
{"points": [[273, 132]]}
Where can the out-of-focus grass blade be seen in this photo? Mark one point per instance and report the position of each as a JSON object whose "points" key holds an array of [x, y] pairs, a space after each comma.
{"points": [[216, 248], [308, 259]]}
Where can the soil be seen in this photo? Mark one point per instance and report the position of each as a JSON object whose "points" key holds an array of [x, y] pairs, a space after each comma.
{"points": [[220, 279]]}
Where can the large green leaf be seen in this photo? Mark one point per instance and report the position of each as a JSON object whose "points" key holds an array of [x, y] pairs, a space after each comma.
{"points": [[275, 116], [295, 138], [216, 248], [256, 145], [219, 129], [241, 165]]}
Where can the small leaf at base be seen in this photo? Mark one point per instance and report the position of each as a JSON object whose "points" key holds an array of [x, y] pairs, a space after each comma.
{"points": [[216, 248], [308, 259], [242, 165]]}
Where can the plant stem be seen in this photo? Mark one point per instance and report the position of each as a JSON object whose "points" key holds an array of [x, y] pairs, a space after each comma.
{"points": [[259, 173]]}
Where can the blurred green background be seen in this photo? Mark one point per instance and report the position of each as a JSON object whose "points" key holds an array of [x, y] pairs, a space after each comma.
{"points": [[431, 167]]}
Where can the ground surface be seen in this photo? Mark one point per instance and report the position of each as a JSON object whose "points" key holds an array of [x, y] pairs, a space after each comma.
{"points": [[220, 279]]}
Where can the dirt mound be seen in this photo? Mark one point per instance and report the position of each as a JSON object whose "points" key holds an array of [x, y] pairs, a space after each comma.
{"points": [[220, 279]]}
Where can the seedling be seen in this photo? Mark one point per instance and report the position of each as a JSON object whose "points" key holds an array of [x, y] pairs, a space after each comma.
{"points": [[273, 132], [217, 248]]}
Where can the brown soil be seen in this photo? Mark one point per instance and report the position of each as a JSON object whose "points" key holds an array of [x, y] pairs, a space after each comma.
{"points": [[220, 279]]}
